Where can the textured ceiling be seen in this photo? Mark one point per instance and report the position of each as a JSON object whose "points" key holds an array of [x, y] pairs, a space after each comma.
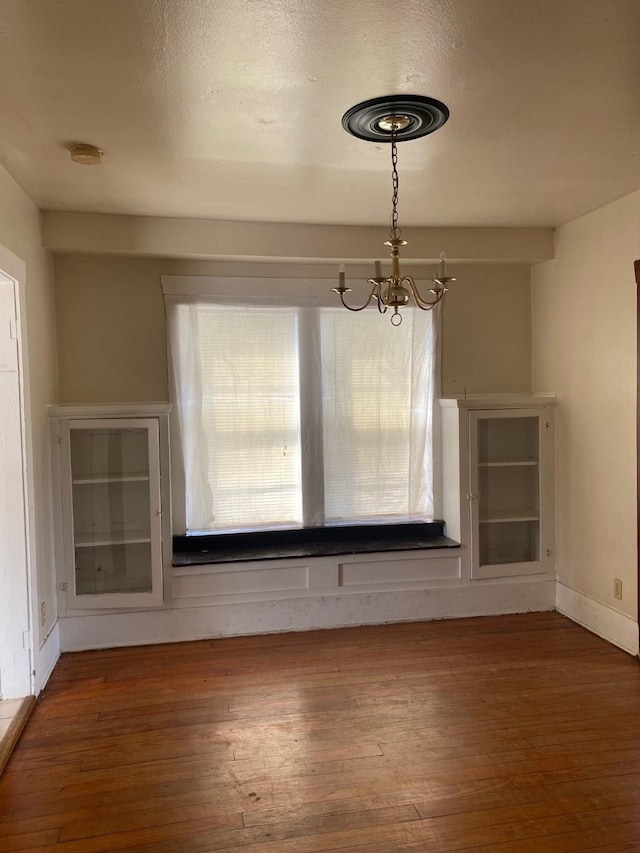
{"points": [[231, 109]]}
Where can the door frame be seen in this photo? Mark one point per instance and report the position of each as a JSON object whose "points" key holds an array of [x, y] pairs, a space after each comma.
{"points": [[637, 272], [17, 670]]}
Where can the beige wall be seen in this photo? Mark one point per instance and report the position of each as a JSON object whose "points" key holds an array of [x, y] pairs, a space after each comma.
{"points": [[20, 233], [584, 348], [111, 332], [112, 344], [486, 332]]}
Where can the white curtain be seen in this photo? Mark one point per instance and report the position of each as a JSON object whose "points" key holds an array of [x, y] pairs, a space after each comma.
{"points": [[378, 394], [295, 416], [236, 385], [190, 458]]}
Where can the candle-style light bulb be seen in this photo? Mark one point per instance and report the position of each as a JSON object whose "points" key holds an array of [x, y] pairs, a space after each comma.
{"points": [[378, 268], [341, 275], [443, 266]]}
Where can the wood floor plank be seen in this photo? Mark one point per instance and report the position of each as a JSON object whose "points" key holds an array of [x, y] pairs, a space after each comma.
{"points": [[29, 840], [516, 734]]}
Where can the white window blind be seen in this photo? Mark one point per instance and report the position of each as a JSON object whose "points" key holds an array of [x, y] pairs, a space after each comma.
{"points": [[377, 396], [297, 416], [246, 438]]}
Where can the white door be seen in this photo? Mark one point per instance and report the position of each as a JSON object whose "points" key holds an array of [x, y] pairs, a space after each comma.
{"points": [[15, 651]]}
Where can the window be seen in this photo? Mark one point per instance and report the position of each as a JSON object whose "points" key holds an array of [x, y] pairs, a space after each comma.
{"points": [[300, 416]]}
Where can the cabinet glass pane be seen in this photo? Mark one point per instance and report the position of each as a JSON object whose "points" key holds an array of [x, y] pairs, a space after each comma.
{"points": [[508, 490], [111, 510], [509, 542], [113, 568], [109, 454], [507, 440]]}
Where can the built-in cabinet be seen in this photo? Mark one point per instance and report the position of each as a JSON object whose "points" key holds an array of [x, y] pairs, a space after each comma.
{"points": [[498, 482], [114, 544], [109, 465]]}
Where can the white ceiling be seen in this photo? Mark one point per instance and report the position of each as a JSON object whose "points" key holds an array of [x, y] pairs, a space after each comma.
{"points": [[231, 109]]}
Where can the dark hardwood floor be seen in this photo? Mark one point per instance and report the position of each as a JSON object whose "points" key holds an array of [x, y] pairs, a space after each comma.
{"points": [[515, 734]]}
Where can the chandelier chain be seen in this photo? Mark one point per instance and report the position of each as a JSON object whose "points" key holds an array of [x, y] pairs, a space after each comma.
{"points": [[394, 291], [395, 231]]}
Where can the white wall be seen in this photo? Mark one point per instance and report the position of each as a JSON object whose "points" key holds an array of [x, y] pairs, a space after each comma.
{"points": [[20, 233], [584, 349]]}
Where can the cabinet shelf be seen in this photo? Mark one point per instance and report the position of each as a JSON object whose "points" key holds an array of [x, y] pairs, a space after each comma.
{"points": [[502, 516], [90, 480], [508, 463], [111, 537]]}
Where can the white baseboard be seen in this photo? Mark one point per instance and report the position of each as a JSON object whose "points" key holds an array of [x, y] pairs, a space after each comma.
{"points": [[602, 620], [94, 631], [46, 657], [108, 630]]}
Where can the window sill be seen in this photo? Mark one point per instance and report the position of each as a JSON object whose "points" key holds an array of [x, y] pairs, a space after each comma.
{"points": [[309, 542]]}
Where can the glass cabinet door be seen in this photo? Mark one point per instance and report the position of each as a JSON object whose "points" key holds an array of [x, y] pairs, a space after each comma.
{"points": [[506, 492], [114, 506]]}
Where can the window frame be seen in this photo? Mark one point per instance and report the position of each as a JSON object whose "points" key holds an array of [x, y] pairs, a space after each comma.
{"points": [[246, 291]]}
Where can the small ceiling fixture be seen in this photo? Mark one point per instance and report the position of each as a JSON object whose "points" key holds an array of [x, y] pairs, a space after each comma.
{"points": [[86, 155], [393, 119]]}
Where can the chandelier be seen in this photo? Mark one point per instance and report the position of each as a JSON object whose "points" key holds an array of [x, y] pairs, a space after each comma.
{"points": [[394, 119]]}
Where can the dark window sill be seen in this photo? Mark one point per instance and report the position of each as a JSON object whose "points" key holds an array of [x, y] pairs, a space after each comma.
{"points": [[308, 542]]}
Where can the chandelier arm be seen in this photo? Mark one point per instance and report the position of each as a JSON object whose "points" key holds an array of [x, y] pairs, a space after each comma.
{"points": [[420, 301], [366, 304]]}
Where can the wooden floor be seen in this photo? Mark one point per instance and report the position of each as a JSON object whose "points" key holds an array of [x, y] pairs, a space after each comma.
{"points": [[517, 734]]}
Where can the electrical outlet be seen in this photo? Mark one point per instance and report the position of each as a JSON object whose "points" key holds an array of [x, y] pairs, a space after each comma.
{"points": [[617, 589], [43, 612]]}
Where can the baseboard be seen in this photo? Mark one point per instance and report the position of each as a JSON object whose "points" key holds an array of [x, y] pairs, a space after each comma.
{"points": [[302, 614], [94, 631], [598, 618], [46, 657]]}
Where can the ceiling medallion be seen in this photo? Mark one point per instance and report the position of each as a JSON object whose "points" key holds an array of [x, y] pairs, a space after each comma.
{"points": [[393, 119]]}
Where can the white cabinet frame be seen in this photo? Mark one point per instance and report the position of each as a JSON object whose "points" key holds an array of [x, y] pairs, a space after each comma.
{"points": [[461, 479], [153, 418], [542, 514]]}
